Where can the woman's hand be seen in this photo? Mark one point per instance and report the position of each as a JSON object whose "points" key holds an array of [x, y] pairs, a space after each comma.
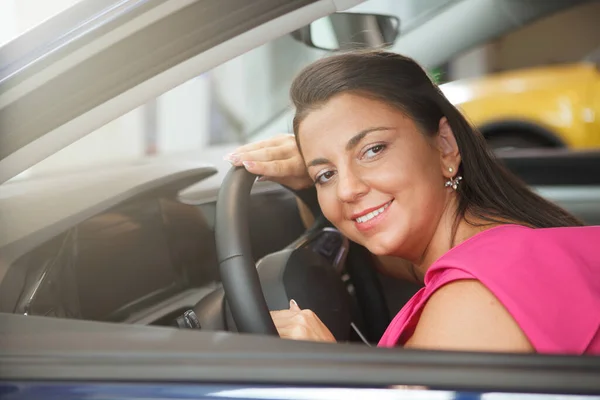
{"points": [[277, 159], [300, 324]]}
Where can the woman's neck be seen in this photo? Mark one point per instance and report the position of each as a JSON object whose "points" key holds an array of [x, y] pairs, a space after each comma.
{"points": [[446, 237]]}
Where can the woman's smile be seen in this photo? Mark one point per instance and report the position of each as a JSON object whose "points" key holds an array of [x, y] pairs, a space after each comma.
{"points": [[370, 218]]}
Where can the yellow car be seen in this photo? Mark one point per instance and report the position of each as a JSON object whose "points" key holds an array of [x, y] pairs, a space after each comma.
{"points": [[553, 106]]}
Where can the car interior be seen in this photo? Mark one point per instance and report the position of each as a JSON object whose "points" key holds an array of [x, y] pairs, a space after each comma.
{"points": [[157, 256], [150, 256]]}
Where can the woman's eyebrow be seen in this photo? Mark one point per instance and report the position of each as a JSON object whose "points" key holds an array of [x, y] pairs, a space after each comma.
{"points": [[352, 143], [354, 140], [317, 161]]}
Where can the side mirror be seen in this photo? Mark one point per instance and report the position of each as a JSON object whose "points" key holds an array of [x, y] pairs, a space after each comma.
{"points": [[344, 31]]}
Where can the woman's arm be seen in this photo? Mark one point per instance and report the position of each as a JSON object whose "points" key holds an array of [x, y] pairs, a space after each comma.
{"points": [[465, 315], [460, 316]]}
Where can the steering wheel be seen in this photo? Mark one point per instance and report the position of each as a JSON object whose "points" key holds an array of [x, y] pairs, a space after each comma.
{"points": [[246, 284]]}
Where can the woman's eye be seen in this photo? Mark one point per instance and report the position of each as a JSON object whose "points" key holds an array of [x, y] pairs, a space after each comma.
{"points": [[324, 177], [373, 151]]}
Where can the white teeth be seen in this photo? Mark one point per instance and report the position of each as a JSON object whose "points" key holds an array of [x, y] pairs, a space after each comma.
{"points": [[371, 215]]}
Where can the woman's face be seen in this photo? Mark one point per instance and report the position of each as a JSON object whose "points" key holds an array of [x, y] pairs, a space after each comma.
{"points": [[379, 180]]}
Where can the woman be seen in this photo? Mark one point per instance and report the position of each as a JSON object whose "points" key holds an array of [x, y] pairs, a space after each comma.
{"points": [[399, 170]]}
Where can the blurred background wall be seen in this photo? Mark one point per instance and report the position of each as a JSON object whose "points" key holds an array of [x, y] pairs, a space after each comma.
{"points": [[565, 37]]}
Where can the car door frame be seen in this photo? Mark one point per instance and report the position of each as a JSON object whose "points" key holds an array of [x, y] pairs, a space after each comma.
{"points": [[51, 350]]}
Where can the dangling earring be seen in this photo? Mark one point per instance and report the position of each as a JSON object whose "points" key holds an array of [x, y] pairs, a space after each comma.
{"points": [[453, 182]]}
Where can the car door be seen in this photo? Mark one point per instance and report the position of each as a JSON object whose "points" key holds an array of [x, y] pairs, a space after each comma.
{"points": [[46, 358]]}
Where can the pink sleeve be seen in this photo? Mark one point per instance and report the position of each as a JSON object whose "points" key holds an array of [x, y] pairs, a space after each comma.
{"points": [[547, 279]]}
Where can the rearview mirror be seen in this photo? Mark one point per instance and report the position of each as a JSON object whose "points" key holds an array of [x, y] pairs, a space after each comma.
{"points": [[344, 31]]}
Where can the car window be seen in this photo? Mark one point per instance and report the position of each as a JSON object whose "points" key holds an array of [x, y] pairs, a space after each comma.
{"points": [[225, 105]]}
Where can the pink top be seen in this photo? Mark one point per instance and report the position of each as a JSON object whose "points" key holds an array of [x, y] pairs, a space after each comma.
{"points": [[548, 280]]}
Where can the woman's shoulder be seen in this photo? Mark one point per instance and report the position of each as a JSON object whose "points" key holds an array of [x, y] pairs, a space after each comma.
{"points": [[546, 279], [485, 325], [518, 258], [514, 245]]}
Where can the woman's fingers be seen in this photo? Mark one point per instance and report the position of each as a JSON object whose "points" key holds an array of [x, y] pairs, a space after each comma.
{"points": [[279, 168], [294, 306], [290, 172], [289, 326], [300, 324], [274, 153], [275, 141], [295, 332], [277, 159], [284, 322]]}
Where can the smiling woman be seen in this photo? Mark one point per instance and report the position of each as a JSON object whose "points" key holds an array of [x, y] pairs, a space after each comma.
{"points": [[400, 171]]}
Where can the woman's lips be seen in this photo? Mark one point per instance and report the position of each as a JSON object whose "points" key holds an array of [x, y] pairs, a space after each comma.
{"points": [[373, 218]]}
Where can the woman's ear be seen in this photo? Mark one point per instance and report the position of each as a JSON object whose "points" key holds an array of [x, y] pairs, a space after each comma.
{"points": [[448, 148]]}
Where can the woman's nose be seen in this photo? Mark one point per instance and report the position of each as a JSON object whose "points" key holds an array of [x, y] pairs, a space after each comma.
{"points": [[350, 187]]}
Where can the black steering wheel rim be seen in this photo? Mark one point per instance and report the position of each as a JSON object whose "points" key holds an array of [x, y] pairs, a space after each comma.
{"points": [[239, 276]]}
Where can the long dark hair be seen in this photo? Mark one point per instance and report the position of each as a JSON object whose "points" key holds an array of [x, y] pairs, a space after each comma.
{"points": [[488, 190]]}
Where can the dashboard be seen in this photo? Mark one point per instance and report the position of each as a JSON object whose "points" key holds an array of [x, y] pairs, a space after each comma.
{"points": [[136, 256]]}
